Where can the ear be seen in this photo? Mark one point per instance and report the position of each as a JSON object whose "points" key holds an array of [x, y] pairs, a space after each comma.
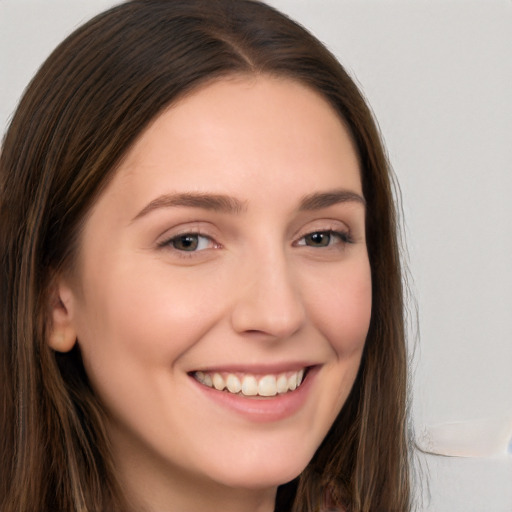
{"points": [[62, 333]]}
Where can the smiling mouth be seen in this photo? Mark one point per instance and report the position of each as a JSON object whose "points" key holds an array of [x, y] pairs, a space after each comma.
{"points": [[250, 385]]}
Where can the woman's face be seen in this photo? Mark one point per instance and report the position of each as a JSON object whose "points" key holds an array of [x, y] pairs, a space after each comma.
{"points": [[229, 250]]}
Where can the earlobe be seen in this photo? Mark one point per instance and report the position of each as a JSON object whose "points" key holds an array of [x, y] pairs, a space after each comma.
{"points": [[61, 341], [62, 333]]}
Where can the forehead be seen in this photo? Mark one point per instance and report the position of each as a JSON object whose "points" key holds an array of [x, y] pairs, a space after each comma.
{"points": [[243, 113], [262, 139]]}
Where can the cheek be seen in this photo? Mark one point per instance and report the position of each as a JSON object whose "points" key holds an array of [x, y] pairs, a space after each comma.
{"points": [[340, 310], [142, 318], [132, 334], [343, 311]]}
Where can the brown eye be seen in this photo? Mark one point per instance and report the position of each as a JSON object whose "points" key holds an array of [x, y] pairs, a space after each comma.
{"points": [[326, 238], [187, 242], [318, 239]]}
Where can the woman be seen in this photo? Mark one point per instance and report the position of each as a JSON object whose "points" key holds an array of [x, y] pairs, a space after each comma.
{"points": [[201, 301]]}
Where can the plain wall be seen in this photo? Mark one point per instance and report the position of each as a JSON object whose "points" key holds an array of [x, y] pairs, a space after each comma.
{"points": [[438, 75]]}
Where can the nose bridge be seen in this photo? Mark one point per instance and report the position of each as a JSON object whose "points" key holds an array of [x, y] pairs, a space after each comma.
{"points": [[268, 300]]}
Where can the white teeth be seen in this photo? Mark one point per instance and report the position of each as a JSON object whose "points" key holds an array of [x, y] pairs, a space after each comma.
{"points": [[249, 385], [267, 386], [282, 384], [208, 380], [233, 383], [292, 382], [218, 381]]}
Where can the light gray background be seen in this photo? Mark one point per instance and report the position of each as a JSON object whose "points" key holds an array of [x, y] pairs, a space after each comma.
{"points": [[438, 75]]}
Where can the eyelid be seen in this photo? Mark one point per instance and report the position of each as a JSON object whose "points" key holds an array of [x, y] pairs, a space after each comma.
{"points": [[166, 240], [344, 237], [323, 226], [184, 235]]}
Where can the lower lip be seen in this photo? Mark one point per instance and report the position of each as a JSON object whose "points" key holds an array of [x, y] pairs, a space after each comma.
{"points": [[262, 410]]}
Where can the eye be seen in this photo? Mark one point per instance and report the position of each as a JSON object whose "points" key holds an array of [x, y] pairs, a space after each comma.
{"points": [[324, 239], [190, 242]]}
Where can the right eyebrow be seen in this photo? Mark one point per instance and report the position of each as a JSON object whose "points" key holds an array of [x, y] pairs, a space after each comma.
{"points": [[319, 200], [216, 202]]}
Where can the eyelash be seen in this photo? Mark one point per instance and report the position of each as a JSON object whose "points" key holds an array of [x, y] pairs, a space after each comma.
{"points": [[344, 238], [170, 243]]}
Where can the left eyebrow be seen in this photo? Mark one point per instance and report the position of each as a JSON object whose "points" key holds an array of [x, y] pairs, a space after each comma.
{"points": [[319, 200], [215, 202]]}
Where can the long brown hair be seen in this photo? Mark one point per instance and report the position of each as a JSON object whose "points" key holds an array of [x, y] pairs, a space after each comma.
{"points": [[84, 109]]}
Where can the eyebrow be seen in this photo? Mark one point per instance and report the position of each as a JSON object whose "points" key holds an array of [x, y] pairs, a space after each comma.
{"points": [[228, 204], [215, 202], [320, 200]]}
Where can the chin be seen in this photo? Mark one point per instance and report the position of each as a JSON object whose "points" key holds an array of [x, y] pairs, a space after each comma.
{"points": [[263, 474]]}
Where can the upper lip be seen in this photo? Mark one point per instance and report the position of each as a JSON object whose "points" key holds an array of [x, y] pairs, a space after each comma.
{"points": [[274, 368]]}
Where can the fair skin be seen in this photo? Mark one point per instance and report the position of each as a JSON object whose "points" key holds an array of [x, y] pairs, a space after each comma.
{"points": [[231, 241]]}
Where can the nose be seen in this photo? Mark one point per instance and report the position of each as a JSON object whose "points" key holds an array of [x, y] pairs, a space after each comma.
{"points": [[268, 299]]}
